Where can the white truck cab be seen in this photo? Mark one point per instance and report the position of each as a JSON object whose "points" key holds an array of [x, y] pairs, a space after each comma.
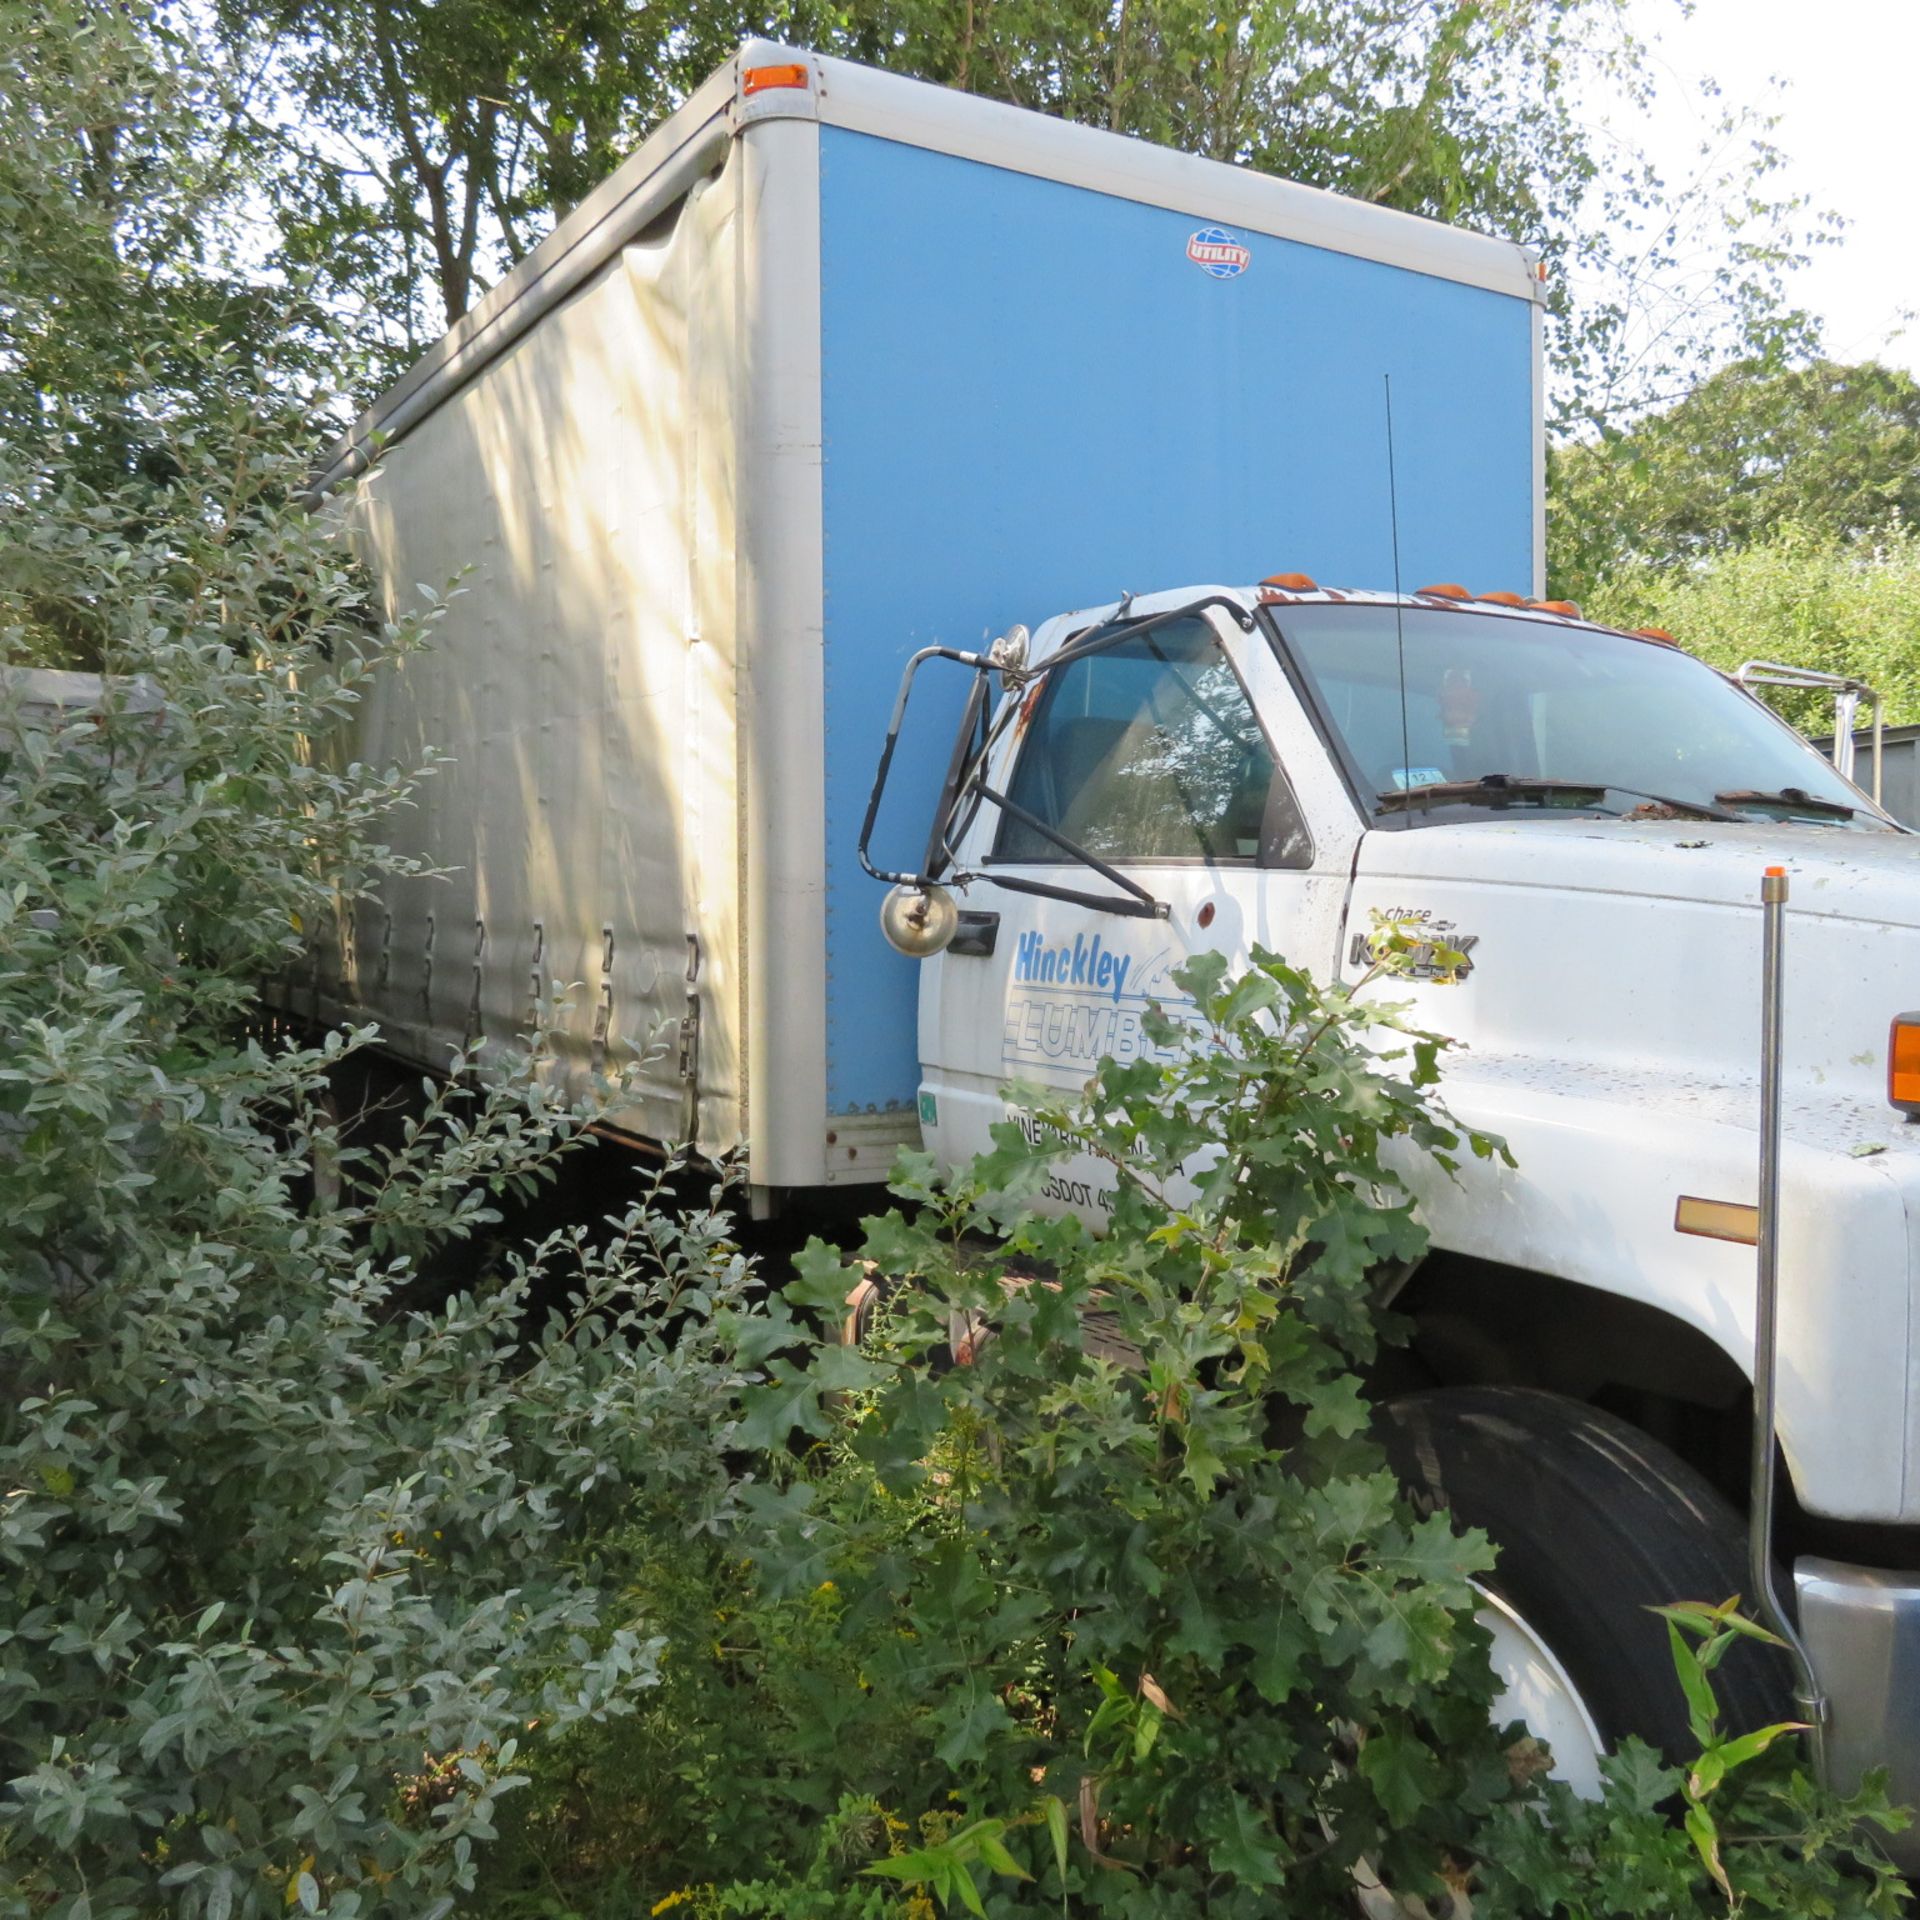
{"points": [[1586, 814]]}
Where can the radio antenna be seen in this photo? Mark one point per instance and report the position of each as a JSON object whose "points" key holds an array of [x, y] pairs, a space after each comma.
{"points": [[1399, 625]]}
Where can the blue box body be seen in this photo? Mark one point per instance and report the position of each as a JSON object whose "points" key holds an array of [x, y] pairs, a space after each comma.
{"points": [[1033, 399]]}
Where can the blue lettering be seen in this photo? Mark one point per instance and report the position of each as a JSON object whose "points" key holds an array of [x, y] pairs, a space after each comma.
{"points": [[1089, 963]]}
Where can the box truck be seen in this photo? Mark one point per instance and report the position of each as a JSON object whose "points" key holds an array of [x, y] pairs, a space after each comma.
{"points": [[841, 369]]}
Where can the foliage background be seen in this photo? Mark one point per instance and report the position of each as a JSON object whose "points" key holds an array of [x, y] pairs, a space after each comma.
{"points": [[1806, 598], [1831, 451], [1770, 514]]}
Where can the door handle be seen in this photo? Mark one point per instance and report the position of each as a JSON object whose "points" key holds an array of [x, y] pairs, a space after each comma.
{"points": [[977, 935]]}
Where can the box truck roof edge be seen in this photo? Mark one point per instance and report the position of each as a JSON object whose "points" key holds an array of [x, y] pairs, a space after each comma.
{"points": [[842, 93]]}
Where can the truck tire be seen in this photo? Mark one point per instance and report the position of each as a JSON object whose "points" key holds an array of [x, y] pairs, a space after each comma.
{"points": [[1595, 1523]]}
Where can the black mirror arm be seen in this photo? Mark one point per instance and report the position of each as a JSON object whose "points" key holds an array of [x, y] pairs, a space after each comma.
{"points": [[1147, 908], [970, 744], [1111, 635], [1140, 902], [980, 664]]}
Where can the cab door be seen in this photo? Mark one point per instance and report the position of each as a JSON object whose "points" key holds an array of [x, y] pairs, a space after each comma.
{"points": [[1181, 758]]}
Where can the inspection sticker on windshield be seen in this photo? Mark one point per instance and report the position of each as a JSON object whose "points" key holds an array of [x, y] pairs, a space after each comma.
{"points": [[1406, 778]]}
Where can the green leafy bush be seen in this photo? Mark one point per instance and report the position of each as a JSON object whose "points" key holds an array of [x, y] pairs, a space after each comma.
{"points": [[1809, 599], [1760, 446], [291, 1555], [1168, 1592], [1083, 1573], [1743, 1828]]}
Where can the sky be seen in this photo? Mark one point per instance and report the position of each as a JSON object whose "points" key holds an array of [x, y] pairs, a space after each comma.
{"points": [[1849, 123]]}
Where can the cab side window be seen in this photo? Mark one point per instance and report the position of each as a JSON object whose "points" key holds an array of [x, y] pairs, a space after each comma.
{"points": [[1149, 751]]}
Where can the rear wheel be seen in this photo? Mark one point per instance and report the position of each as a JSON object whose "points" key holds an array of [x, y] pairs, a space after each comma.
{"points": [[1595, 1524]]}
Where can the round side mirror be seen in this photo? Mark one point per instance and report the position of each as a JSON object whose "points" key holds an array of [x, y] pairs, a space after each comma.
{"points": [[919, 921]]}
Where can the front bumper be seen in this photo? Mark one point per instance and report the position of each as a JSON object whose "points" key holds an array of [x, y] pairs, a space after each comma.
{"points": [[1862, 1631]]}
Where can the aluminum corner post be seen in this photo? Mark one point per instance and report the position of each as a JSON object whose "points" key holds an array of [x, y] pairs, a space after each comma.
{"points": [[1538, 321], [1862, 1626], [781, 598], [1766, 1319]]}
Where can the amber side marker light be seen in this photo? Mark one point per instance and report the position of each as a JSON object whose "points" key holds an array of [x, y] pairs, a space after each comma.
{"points": [[759, 79], [1903, 1063], [1717, 1219]]}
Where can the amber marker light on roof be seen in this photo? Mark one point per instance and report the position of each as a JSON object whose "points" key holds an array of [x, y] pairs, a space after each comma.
{"points": [[1903, 1063], [1293, 582], [1658, 635], [1567, 609], [1504, 599], [1446, 590], [759, 79]]}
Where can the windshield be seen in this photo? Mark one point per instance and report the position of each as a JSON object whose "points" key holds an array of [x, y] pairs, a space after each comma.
{"points": [[1550, 718]]}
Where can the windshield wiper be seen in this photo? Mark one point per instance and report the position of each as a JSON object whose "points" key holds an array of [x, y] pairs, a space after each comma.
{"points": [[1489, 786], [1796, 799], [1525, 786]]}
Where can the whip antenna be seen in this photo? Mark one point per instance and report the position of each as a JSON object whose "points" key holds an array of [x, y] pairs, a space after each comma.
{"points": [[1399, 625]]}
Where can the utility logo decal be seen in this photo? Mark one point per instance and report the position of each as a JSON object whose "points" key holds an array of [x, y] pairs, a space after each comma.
{"points": [[1216, 251]]}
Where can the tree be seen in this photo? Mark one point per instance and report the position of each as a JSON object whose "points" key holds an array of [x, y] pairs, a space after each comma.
{"points": [[424, 147], [1829, 449], [421, 149], [438, 140], [273, 1526], [121, 294], [1809, 597]]}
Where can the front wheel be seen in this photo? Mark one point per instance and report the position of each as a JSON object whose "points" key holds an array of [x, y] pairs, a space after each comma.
{"points": [[1595, 1524]]}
